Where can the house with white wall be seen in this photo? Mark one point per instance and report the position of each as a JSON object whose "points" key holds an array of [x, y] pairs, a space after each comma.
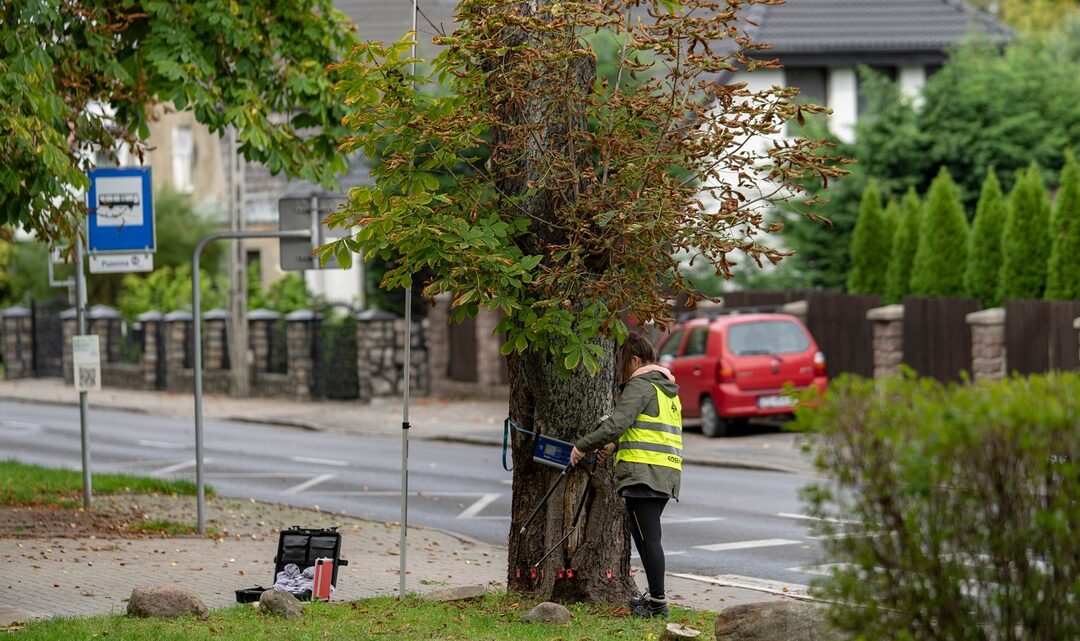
{"points": [[820, 44]]}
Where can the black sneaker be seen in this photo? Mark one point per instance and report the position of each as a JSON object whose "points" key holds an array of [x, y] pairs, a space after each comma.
{"points": [[635, 601], [651, 608]]}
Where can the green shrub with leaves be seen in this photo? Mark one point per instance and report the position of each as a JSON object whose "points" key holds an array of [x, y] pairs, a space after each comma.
{"points": [[941, 258], [871, 245], [1025, 246], [167, 289], [982, 278], [950, 512], [1063, 277]]}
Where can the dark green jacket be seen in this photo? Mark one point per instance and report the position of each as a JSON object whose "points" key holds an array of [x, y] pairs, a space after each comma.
{"points": [[638, 397]]}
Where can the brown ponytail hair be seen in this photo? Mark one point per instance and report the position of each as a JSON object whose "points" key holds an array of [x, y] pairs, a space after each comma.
{"points": [[635, 345]]}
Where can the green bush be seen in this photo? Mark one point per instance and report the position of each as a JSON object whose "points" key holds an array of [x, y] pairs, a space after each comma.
{"points": [[1063, 277], [905, 243], [1025, 246], [871, 245], [166, 289], [950, 512], [982, 278], [941, 257]]}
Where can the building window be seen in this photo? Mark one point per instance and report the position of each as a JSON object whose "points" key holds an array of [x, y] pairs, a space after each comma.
{"points": [[183, 159], [812, 83]]}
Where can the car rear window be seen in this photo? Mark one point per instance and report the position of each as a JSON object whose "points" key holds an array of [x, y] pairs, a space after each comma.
{"points": [[672, 344], [766, 337]]}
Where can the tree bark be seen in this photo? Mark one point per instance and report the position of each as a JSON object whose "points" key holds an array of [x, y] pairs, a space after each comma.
{"points": [[598, 553]]}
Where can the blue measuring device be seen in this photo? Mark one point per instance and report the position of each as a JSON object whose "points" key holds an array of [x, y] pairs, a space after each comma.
{"points": [[552, 451]]}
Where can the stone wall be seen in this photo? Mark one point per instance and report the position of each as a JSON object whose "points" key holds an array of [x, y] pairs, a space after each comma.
{"points": [[380, 355], [18, 342], [490, 364], [888, 339], [988, 354]]}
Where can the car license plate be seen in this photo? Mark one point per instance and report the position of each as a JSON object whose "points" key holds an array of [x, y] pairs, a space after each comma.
{"points": [[776, 402]]}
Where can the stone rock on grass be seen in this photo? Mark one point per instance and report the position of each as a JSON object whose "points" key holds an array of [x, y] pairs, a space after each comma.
{"points": [[679, 632], [455, 594], [547, 612], [771, 621], [280, 603], [165, 601]]}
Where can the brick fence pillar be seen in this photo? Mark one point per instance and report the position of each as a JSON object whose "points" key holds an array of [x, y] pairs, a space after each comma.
{"points": [[177, 329], [18, 343], [260, 334], [152, 337], [301, 333], [105, 322], [438, 340], [888, 339], [489, 359], [216, 352], [988, 355]]}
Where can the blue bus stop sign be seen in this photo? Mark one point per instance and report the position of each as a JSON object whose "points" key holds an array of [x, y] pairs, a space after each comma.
{"points": [[121, 211]]}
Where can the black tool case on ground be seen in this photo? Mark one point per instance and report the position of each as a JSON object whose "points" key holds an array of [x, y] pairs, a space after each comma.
{"points": [[302, 546]]}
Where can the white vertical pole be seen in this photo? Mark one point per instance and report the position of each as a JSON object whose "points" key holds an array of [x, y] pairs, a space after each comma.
{"points": [[80, 315], [408, 369]]}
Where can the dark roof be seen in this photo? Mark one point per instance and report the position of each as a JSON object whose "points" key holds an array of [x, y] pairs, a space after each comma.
{"points": [[857, 28]]}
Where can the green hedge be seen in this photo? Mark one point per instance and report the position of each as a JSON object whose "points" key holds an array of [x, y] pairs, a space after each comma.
{"points": [[952, 511]]}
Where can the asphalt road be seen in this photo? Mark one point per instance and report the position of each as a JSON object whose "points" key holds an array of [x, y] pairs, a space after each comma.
{"points": [[737, 527]]}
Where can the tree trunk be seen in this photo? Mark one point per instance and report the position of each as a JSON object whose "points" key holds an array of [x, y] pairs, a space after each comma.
{"points": [[594, 563]]}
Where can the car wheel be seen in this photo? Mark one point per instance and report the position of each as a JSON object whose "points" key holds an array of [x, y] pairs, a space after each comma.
{"points": [[711, 423]]}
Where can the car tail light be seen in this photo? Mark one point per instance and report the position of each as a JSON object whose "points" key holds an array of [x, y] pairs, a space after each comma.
{"points": [[819, 364], [724, 372]]}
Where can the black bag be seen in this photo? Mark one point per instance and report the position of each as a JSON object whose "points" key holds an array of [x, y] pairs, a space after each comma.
{"points": [[303, 547]]}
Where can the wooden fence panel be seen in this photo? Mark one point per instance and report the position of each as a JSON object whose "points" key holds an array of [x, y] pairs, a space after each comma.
{"points": [[937, 337], [1039, 336], [838, 323], [763, 298]]}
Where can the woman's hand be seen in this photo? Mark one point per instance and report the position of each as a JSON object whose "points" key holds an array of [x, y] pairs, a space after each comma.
{"points": [[604, 452]]}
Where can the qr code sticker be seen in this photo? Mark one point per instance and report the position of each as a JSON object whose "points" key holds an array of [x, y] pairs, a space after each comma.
{"points": [[87, 378]]}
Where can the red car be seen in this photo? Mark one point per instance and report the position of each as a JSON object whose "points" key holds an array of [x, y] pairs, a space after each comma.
{"points": [[738, 366]]}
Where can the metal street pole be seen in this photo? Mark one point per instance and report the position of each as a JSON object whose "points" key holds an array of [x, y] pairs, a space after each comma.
{"points": [[196, 323], [80, 315], [237, 269], [408, 369]]}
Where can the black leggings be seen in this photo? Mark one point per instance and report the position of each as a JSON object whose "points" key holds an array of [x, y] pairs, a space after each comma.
{"points": [[645, 528]]}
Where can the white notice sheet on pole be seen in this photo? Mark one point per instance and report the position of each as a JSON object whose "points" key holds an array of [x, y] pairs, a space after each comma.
{"points": [[86, 359]]}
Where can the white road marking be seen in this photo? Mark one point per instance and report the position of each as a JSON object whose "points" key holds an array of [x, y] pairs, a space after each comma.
{"points": [[19, 425], [819, 570], [296, 489], [177, 467], [698, 519], [163, 445], [795, 590], [420, 494], [473, 510], [319, 461], [746, 545], [634, 554], [806, 517]]}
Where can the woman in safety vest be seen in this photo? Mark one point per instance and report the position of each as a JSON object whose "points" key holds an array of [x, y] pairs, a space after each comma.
{"points": [[645, 433]]}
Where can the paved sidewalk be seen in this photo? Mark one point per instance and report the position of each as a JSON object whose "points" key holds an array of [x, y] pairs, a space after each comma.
{"points": [[74, 577], [469, 421]]}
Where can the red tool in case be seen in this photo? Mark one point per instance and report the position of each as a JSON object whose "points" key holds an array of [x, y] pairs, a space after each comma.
{"points": [[324, 570]]}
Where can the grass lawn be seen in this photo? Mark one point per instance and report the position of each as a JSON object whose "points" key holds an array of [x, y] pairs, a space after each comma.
{"points": [[22, 484], [494, 618]]}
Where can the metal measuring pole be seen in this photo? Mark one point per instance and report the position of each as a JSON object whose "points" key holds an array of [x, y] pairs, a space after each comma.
{"points": [[80, 316], [408, 370], [196, 323]]}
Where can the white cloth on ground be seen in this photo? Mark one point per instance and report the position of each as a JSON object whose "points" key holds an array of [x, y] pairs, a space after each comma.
{"points": [[291, 579]]}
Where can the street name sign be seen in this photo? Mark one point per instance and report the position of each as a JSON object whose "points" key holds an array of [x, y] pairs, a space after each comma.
{"points": [[307, 213]]}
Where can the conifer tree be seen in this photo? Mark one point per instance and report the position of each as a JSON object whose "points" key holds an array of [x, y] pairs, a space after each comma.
{"points": [[905, 242], [871, 245], [1063, 278], [941, 258], [1025, 246], [984, 250]]}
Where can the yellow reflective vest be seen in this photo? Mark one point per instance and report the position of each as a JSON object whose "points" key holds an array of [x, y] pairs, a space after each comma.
{"points": [[655, 440]]}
